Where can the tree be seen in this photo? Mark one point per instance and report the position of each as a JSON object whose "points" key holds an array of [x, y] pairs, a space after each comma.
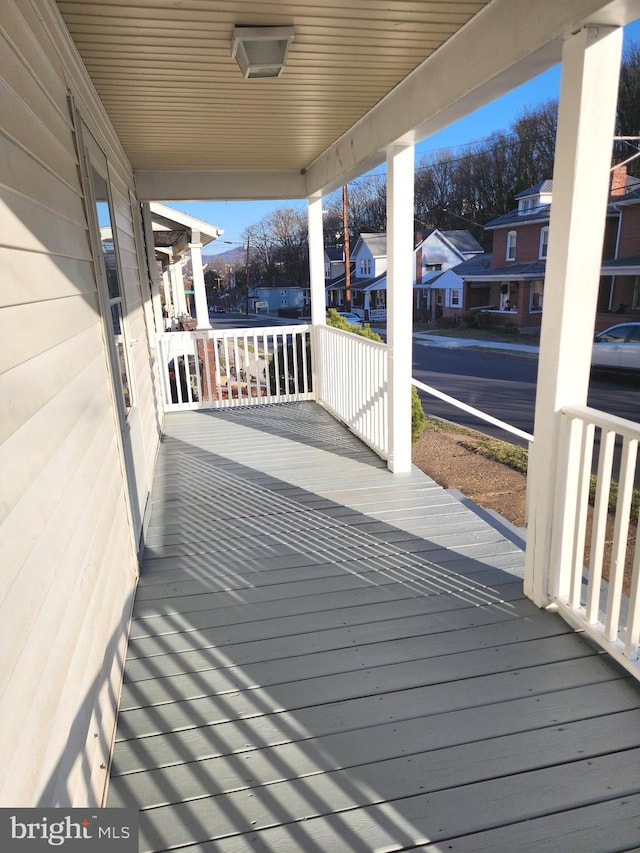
{"points": [[278, 248], [628, 114]]}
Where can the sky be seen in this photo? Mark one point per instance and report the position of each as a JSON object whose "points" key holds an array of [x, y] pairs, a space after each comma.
{"points": [[234, 216]]}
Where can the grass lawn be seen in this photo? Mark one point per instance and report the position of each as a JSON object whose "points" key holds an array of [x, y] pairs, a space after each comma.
{"points": [[496, 334]]}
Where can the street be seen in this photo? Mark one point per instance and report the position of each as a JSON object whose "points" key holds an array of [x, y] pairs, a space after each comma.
{"points": [[504, 385], [498, 383]]}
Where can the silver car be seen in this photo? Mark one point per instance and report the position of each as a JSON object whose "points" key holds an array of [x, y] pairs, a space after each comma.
{"points": [[617, 348]]}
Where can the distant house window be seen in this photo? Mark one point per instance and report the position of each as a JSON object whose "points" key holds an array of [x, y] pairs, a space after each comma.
{"points": [[283, 293], [527, 205], [544, 242], [433, 267], [511, 246], [365, 266], [284, 302], [535, 302], [455, 298]]}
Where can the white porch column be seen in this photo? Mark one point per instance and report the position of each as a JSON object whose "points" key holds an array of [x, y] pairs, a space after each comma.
{"points": [[316, 261], [400, 191], [177, 286], [152, 267], [199, 291], [588, 92]]}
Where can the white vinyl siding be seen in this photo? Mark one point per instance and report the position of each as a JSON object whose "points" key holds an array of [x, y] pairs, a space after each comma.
{"points": [[66, 547]]}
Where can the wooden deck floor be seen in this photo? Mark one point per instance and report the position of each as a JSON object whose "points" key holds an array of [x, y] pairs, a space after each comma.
{"points": [[326, 657]]}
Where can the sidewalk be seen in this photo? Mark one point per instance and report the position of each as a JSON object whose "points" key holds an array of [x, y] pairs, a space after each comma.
{"points": [[451, 343]]}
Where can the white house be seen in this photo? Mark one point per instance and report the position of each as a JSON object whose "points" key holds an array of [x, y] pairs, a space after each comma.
{"points": [[369, 255], [110, 107]]}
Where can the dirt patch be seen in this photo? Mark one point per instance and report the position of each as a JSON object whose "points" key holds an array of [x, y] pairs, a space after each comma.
{"points": [[488, 483]]}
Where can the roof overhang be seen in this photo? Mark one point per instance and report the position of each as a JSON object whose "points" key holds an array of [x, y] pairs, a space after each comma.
{"points": [[194, 129]]}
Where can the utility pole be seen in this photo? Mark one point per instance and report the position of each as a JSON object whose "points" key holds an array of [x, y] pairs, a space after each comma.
{"points": [[347, 259], [246, 274]]}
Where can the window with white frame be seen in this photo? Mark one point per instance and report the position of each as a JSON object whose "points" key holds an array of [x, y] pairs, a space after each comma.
{"points": [[535, 300], [365, 266], [454, 299], [544, 242], [511, 246]]}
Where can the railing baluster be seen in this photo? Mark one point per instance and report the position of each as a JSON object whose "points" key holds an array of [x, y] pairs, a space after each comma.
{"points": [[599, 524], [620, 531], [632, 638], [227, 367], [586, 455]]}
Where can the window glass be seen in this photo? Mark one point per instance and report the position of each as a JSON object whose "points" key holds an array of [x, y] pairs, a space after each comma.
{"points": [[114, 288], [536, 296], [617, 334], [635, 333], [544, 242], [511, 246]]}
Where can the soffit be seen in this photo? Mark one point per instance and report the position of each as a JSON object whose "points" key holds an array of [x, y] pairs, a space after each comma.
{"points": [[164, 72]]}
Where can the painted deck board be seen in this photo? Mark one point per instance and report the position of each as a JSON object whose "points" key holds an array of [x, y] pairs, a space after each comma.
{"points": [[324, 656]]}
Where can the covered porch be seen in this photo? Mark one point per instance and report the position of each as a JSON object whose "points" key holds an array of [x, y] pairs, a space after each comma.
{"points": [[326, 656], [285, 570]]}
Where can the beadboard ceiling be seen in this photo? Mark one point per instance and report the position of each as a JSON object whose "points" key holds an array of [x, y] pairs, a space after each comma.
{"points": [[164, 71]]}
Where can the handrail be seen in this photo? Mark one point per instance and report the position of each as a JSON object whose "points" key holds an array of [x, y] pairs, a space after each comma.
{"points": [[428, 389]]}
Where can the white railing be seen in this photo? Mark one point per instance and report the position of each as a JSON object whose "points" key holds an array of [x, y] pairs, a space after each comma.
{"points": [[607, 609], [351, 382], [212, 369], [465, 407], [378, 314]]}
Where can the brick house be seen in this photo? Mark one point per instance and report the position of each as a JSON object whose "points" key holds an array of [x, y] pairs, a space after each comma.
{"points": [[510, 281]]}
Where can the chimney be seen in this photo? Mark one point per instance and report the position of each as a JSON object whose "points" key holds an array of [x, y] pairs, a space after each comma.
{"points": [[619, 180]]}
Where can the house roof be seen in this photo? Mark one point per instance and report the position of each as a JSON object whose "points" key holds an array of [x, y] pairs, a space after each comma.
{"points": [[540, 214], [480, 269], [334, 253], [375, 243], [543, 187], [447, 279], [463, 241], [171, 226], [378, 283], [622, 266]]}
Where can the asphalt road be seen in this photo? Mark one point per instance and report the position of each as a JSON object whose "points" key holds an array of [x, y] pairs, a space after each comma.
{"points": [[504, 385]]}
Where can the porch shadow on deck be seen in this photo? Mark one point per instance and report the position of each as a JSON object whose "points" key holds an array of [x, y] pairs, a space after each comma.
{"points": [[328, 657]]}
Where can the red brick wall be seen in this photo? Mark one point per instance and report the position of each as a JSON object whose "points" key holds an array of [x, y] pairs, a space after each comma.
{"points": [[629, 232], [527, 243]]}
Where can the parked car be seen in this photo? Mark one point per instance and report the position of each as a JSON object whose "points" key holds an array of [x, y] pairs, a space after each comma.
{"points": [[351, 318], [617, 348]]}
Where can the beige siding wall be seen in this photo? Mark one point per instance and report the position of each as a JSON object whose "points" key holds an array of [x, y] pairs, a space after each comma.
{"points": [[67, 552]]}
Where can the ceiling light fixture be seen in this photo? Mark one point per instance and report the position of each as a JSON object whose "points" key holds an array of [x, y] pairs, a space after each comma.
{"points": [[261, 51]]}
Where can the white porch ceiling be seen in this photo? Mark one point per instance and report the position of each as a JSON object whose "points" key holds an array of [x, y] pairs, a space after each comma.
{"points": [[360, 74]]}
